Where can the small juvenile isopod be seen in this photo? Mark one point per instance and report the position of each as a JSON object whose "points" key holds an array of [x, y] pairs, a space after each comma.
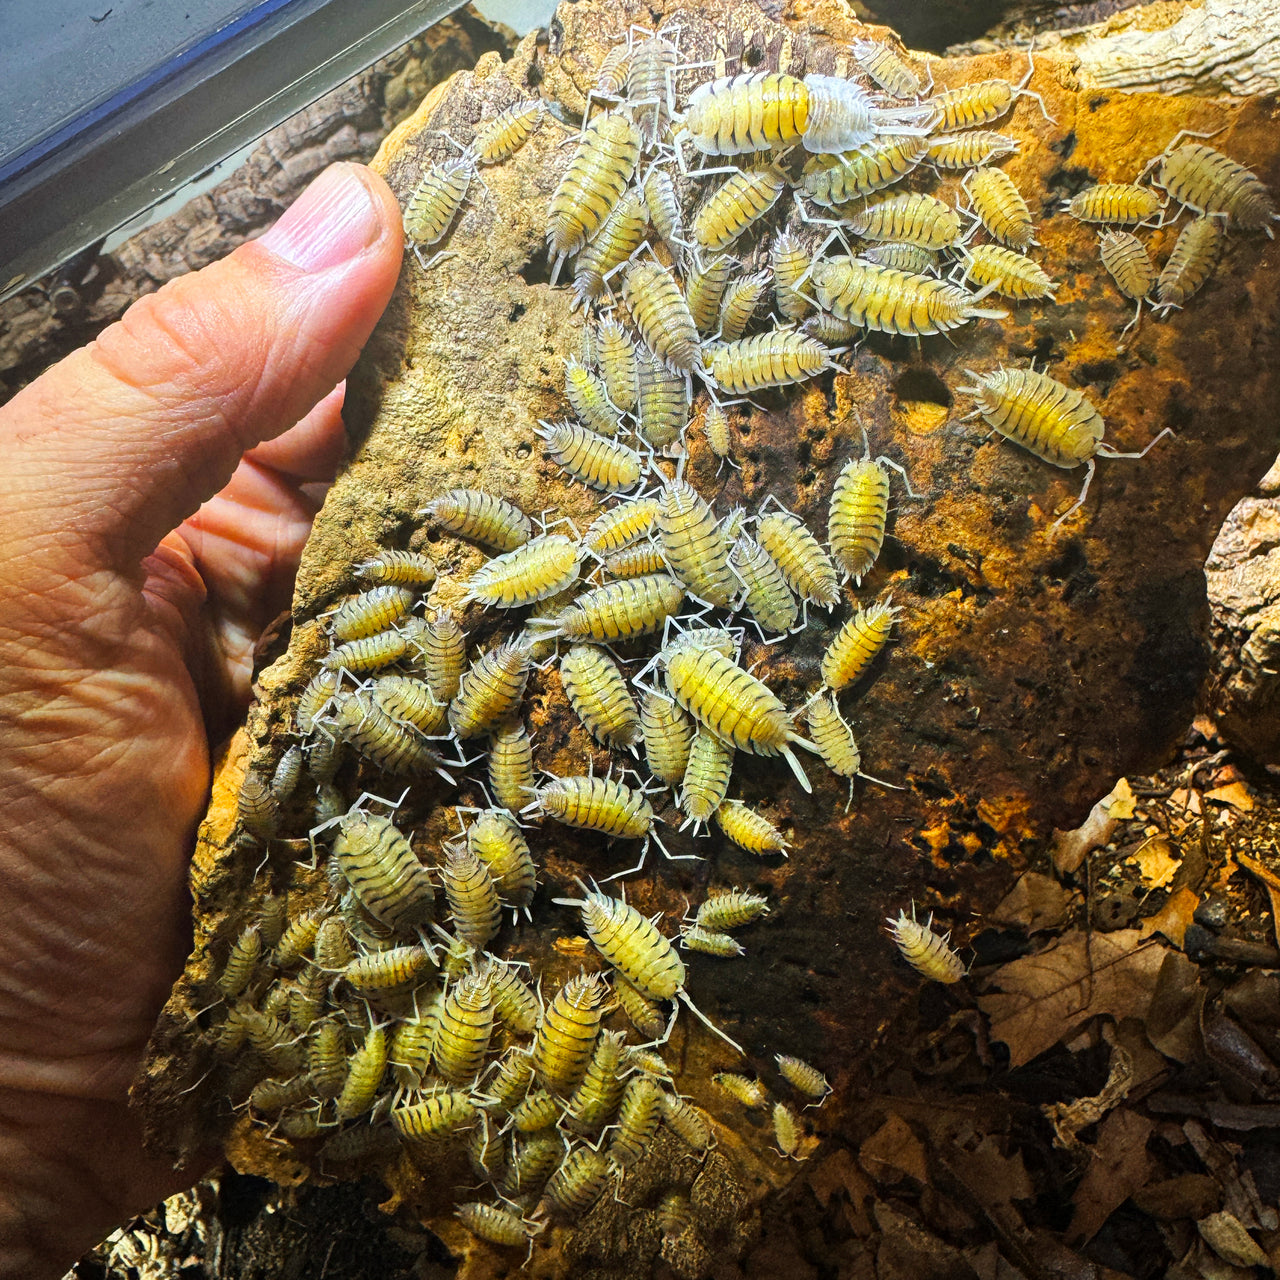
{"points": [[750, 830], [481, 517], [1000, 207], [472, 894], [979, 102], [798, 554], [595, 460], [855, 646], [790, 262], [1124, 204], [490, 690], [927, 952], [596, 177], [716, 430], [617, 357], [787, 1131], [857, 515], [315, 697], [589, 399], [242, 961], [380, 970], [1129, 265], [886, 68], [597, 804], [597, 692], [257, 807], [704, 291], [685, 1120], [493, 1223], [435, 201], [1190, 264], [298, 938], [643, 1012], [639, 561], [800, 1075], [660, 313], [743, 199], [751, 1093], [706, 778], [370, 653], [731, 910], [910, 258], [834, 739], [662, 401], [502, 136], [696, 938], [971, 149], [740, 302], [413, 569]]}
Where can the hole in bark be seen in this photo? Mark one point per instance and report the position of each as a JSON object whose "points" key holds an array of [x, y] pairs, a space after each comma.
{"points": [[516, 312], [523, 450], [922, 384], [1097, 373], [537, 270], [752, 57], [1067, 180]]}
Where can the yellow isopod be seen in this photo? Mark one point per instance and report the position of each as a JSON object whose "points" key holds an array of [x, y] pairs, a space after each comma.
{"points": [[391, 744], [438, 1116], [787, 1130], [768, 599], [740, 302], [566, 1036], [834, 180], [315, 697], [704, 291], [643, 1012], [751, 1093], [662, 401], [493, 1223], [742, 200], [617, 357], [926, 951], [464, 1029], [857, 515], [589, 399], [597, 804], [367, 1066], [1123, 204], [638, 1117], [380, 970], [706, 778], [790, 262], [612, 245], [856, 645], [668, 733], [664, 208], [695, 938], [257, 807], [472, 894], [596, 461], [750, 830], [910, 218], [910, 258], [435, 202], [444, 655], [733, 704], [893, 301], [383, 872], [971, 149], [593, 183], [298, 938], [597, 692], [400, 568], [490, 690], [778, 358], [511, 778], [660, 313], [801, 1076], [371, 612], [370, 653], [327, 1059], [884, 66], [619, 610], [577, 1184], [1007, 272], [411, 700], [979, 102], [474, 514], [806, 567], [594, 1101], [640, 561], [242, 962], [731, 909], [1000, 207], [1126, 259], [694, 544], [1210, 183], [495, 837], [514, 1002], [502, 136]]}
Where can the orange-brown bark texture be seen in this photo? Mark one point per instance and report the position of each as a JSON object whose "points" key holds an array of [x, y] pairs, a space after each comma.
{"points": [[1030, 666]]}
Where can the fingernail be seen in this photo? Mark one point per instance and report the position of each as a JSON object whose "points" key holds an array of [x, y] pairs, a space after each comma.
{"points": [[329, 223]]}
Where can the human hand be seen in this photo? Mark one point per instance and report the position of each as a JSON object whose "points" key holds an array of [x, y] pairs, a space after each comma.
{"points": [[128, 615]]}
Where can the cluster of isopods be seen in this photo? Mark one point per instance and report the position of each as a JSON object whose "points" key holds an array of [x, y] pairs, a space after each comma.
{"points": [[371, 1025]]}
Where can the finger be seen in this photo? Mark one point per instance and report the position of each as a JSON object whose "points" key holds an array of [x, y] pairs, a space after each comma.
{"points": [[116, 445], [312, 449]]}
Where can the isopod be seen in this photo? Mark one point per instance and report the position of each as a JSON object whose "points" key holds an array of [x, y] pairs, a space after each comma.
{"points": [[886, 68], [495, 837], [639, 561], [786, 1129], [650, 93], [704, 291], [706, 777], [751, 1093], [596, 1098], [472, 894], [577, 1184], [620, 610], [392, 745], [1210, 183], [668, 734], [501, 137], [400, 568], [566, 1036], [893, 301], [662, 402], [371, 612], [1190, 264], [1007, 272], [834, 180], [1053, 421], [644, 1013], [435, 201], [660, 313], [675, 1213], [739, 304], [611, 78], [790, 262], [241, 963], [465, 1028], [778, 358], [801, 1076], [617, 357], [731, 910], [685, 1121], [298, 938], [384, 873], [979, 102], [696, 938], [695, 546], [257, 807], [327, 1059], [855, 646], [971, 149], [798, 554], [514, 1002], [910, 218], [490, 690], [612, 245], [1129, 265], [597, 175], [743, 199], [437, 1116], [595, 460], [857, 515], [511, 765], [444, 656], [589, 399], [370, 653], [315, 697], [910, 258], [715, 428], [664, 208], [1000, 207], [493, 1223], [926, 951], [834, 739], [597, 692], [383, 969], [750, 830], [481, 517], [1124, 204], [638, 1118], [409, 699], [365, 1070], [542, 567], [597, 804]]}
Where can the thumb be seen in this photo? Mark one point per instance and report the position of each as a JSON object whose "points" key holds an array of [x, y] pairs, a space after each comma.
{"points": [[117, 444]]}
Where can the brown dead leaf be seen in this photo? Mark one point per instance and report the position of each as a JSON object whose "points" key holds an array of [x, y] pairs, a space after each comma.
{"points": [[1173, 919], [1271, 882], [1236, 794], [1155, 861], [1043, 998], [1070, 848], [995, 1179], [1036, 902], [838, 1173], [1173, 1016], [1119, 1167], [894, 1150]]}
